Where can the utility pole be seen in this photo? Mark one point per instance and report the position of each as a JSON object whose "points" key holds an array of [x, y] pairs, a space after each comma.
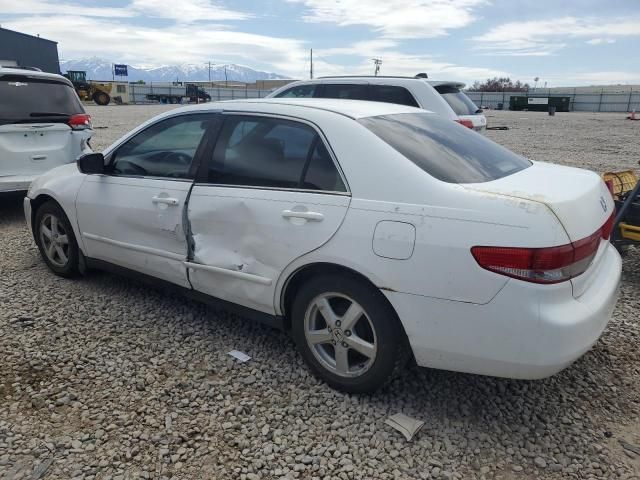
{"points": [[225, 76], [311, 66], [376, 62], [209, 73]]}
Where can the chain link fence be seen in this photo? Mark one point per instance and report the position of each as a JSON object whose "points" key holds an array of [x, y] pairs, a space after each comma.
{"points": [[138, 93], [579, 102]]}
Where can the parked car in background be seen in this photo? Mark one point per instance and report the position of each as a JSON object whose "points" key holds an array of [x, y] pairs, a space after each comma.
{"points": [[42, 125], [461, 103], [410, 91], [374, 232]]}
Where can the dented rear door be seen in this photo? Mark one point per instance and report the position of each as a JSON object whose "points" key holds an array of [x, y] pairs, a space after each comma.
{"points": [[270, 193]]}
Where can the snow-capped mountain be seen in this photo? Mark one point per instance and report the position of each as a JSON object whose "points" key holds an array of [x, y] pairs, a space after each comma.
{"points": [[100, 69]]}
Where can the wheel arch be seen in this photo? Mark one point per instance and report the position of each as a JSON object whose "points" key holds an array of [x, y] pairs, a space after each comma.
{"points": [[36, 203], [297, 278]]}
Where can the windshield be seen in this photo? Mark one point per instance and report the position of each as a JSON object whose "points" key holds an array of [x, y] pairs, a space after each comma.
{"points": [[457, 100], [444, 149], [24, 99]]}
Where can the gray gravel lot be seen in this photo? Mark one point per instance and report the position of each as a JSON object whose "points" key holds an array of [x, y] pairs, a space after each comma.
{"points": [[105, 378]]}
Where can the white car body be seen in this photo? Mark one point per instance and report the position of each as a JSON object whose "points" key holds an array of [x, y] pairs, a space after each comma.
{"points": [[404, 231], [461, 103], [32, 146], [421, 92]]}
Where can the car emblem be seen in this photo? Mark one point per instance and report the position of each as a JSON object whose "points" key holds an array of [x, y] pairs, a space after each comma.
{"points": [[603, 203], [337, 333], [17, 84]]}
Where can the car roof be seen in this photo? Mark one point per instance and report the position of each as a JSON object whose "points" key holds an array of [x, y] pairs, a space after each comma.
{"points": [[354, 109], [440, 83], [33, 74]]}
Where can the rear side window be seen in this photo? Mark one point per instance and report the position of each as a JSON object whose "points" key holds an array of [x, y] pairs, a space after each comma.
{"points": [[301, 91], [23, 99], [447, 151], [457, 100], [392, 94], [350, 91], [272, 152]]}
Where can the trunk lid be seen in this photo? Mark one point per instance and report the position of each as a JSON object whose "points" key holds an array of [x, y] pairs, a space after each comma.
{"points": [[33, 148], [578, 198]]}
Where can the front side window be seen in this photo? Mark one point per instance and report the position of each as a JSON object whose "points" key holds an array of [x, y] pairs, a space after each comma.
{"points": [[301, 91], [392, 94], [165, 149], [271, 152], [445, 150], [349, 91]]}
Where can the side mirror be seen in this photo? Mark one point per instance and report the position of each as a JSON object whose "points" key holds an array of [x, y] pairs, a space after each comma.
{"points": [[91, 163]]}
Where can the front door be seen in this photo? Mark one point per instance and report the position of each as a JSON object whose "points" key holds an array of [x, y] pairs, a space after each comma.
{"points": [[268, 193], [133, 216]]}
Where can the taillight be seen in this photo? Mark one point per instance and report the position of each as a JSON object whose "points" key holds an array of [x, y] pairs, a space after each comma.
{"points": [[79, 121], [465, 122], [607, 228], [543, 265]]}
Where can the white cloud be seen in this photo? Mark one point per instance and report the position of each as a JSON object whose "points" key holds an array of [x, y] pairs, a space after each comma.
{"points": [[600, 41], [186, 10], [42, 7], [395, 18], [546, 37], [176, 44]]}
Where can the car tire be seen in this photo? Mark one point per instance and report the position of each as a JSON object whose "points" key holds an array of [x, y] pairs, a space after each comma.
{"points": [[352, 352], [56, 240]]}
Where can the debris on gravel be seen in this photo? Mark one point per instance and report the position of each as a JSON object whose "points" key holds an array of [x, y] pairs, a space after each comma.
{"points": [[103, 378]]}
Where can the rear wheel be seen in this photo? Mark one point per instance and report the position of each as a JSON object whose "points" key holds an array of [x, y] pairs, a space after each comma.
{"points": [[348, 334], [101, 98], [56, 241]]}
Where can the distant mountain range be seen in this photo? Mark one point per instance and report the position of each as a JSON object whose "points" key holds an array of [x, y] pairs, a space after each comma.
{"points": [[100, 69]]}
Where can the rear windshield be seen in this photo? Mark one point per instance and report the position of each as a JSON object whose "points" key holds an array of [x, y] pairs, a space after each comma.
{"points": [[444, 149], [24, 100], [457, 100]]}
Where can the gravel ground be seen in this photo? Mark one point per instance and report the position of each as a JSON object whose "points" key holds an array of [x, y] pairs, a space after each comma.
{"points": [[104, 378]]}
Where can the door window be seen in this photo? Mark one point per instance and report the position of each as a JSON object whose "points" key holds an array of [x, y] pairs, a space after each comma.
{"points": [[301, 91], [270, 152], [392, 94], [350, 91], [165, 149]]}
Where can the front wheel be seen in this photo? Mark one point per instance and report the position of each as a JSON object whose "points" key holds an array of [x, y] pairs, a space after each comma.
{"points": [[56, 241], [348, 334]]}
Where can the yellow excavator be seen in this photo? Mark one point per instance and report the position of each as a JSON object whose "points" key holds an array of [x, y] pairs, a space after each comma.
{"points": [[90, 90]]}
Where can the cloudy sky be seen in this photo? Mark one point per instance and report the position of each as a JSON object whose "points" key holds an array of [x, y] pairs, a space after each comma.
{"points": [[569, 42]]}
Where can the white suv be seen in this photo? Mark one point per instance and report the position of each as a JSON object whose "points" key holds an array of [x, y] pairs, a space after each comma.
{"points": [[42, 125], [410, 91], [461, 103]]}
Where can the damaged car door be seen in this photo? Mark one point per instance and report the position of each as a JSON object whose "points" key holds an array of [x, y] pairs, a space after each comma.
{"points": [[132, 216], [269, 192]]}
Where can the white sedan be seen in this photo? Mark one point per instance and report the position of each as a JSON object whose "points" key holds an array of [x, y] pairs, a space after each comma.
{"points": [[375, 233]]}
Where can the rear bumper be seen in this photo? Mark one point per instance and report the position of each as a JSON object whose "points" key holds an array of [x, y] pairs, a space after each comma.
{"points": [[527, 331], [15, 183]]}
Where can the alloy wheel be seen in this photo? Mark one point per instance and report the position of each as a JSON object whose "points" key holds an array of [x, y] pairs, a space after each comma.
{"points": [[340, 334], [55, 240]]}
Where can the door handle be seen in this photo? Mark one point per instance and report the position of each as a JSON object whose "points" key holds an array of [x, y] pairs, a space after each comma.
{"points": [[312, 216], [166, 200]]}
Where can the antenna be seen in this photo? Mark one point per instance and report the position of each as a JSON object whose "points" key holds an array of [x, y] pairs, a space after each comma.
{"points": [[377, 62], [311, 66]]}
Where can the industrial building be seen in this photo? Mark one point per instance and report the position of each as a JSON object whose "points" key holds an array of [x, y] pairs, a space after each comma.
{"points": [[20, 49]]}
